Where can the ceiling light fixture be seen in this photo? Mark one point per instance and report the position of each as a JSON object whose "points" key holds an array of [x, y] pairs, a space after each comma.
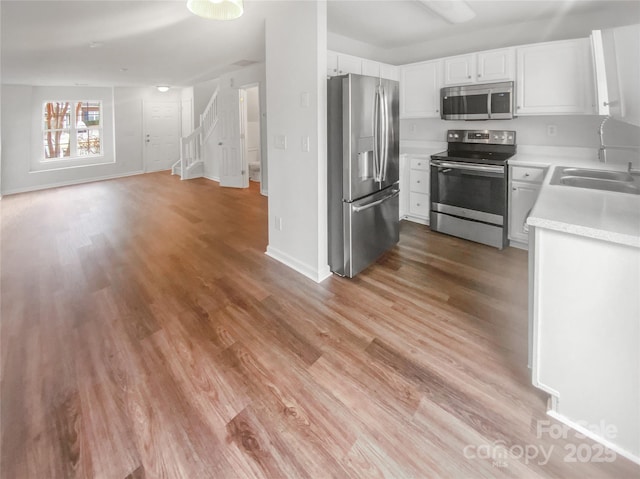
{"points": [[453, 11], [216, 9], [163, 88]]}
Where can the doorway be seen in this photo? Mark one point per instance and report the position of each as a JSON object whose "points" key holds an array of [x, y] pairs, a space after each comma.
{"points": [[162, 135], [251, 119]]}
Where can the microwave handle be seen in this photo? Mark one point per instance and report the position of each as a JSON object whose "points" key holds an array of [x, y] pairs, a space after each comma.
{"points": [[489, 103]]}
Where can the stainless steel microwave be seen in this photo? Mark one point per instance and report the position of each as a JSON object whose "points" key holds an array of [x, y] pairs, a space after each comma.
{"points": [[488, 101]]}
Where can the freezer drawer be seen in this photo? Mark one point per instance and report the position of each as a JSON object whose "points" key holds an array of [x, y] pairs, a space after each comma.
{"points": [[371, 227]]}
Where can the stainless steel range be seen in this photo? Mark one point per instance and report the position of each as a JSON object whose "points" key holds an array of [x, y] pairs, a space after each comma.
{"points": [[469, 185]]}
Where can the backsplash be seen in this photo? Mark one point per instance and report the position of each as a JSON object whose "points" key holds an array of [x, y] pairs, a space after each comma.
{"points": [[548, 131]]}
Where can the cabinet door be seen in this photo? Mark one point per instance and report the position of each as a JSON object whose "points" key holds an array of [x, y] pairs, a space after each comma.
{"points": [[496, 65], [419, 205], [522, 197], [621, 53], [390, 72], [349, 64], [419, 182], [332, 63], [460, 70], [370, 68], [420, 90], [554, 78]]}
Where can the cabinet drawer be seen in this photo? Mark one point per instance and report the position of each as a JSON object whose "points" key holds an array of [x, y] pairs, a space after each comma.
{"points": [[420, 164], [527, 173], [419, 181], [419, 204]]}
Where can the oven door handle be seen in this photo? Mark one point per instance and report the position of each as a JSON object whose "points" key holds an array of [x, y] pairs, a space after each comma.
{"points": [[468, 166]]}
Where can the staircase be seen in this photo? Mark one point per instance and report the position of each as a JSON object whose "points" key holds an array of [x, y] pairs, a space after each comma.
{"points": [[191, 162]]}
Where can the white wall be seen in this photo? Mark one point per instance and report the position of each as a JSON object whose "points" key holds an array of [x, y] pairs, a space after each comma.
{"points": [[297, 179], [21, 125]]}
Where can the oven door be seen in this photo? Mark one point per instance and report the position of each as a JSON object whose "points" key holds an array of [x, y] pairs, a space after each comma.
{"points": [[469, 190]]}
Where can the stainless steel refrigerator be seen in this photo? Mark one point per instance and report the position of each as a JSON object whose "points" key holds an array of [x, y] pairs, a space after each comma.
{"points": [[363, 170]]}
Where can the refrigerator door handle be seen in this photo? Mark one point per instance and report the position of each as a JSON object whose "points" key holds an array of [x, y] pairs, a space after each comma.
{"points": [[385, 132], [357, 209], [376, 137]]}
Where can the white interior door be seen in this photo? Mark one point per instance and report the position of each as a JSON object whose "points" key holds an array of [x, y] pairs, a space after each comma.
{"points": [[162, 135], [233, 172]]}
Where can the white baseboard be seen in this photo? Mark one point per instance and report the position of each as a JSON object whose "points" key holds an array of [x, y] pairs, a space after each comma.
{"points": [[47, 186], [416, 219], [316, 275], [518, 244], [591, 435], [212, 178]]}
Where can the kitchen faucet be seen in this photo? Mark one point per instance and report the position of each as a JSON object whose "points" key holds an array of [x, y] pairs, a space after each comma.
{"points": [[602, 151]]}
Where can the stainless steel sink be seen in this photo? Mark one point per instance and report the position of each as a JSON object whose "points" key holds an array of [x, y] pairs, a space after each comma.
{"points": [[600, 174], [605, 180]]}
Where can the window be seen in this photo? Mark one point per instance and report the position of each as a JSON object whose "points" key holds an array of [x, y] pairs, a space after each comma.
{"points": [[72, 129]]}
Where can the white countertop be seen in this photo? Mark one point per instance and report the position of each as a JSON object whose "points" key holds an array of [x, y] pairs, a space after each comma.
{"points": [[421, 147], [604, 215]]}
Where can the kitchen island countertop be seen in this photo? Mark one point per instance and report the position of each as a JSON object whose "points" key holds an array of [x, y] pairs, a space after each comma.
{"points": [[604, 215]]}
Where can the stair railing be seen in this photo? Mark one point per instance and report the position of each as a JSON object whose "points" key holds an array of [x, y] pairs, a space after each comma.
{"points": [[190, 150]]}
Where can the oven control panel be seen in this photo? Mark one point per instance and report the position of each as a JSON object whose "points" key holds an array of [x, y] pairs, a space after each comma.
{"points": [[487, 137]]}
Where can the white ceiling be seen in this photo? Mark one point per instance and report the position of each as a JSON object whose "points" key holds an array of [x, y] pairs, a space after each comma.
{"points": [[159, 42]]}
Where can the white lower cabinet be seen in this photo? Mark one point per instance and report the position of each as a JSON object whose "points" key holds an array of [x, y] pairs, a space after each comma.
{"points": [[523, 192], [416, 188]]}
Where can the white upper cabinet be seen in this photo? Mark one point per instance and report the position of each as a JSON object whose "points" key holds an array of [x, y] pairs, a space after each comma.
{"points": [[340, 64], [332, 63], [349, 64], [496, 65], [390, 72], [460, 70], [555, 78], [370, 68], [482, 67], [377, 69], [420, 89], [615, 53]]}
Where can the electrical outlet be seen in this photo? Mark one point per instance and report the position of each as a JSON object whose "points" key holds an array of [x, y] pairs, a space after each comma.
{"points": [[552, 130], [412, 128], [278, 223], [305, 144]]}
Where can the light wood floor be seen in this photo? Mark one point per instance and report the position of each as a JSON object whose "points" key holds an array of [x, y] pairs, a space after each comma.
{"points": [[145, 334]]}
